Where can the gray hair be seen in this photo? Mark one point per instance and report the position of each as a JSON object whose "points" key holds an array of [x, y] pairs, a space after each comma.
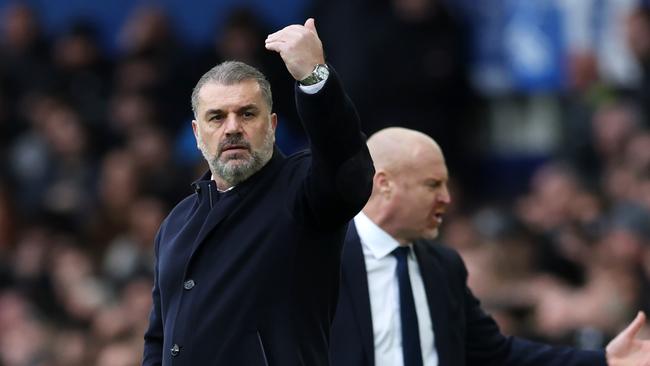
{"points": [[229, 73]]}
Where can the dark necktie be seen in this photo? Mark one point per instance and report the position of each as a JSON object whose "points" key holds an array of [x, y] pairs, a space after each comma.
{"points": [[410, 332]]}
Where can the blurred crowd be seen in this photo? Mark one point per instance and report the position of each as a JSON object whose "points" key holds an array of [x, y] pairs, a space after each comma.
{"points": [[95, 149]]}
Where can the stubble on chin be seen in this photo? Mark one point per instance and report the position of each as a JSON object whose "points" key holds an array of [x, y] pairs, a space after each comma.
{"points": [[235, 170], [239, 167]]}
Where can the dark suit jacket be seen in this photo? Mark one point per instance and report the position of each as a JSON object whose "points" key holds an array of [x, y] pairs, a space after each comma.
{"points": [[464, 334], [250, 277]]}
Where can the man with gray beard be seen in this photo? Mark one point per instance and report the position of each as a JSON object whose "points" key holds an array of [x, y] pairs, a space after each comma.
{"points": [[247, 267], [235, 173]]}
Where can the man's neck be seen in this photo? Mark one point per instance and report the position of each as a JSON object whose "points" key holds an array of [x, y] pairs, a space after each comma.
{"points": [[383, 221]]}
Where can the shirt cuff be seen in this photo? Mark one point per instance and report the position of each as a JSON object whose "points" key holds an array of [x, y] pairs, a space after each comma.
{"points": [[313, 89]]}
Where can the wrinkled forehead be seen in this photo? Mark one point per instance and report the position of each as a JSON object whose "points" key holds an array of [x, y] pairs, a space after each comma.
{"points": [[218, 95]]}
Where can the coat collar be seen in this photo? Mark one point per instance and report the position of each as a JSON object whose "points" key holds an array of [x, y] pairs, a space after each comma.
{"points": [[232, 199]]}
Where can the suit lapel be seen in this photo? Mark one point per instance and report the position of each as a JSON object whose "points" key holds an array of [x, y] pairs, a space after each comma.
{"points": [[435, 283], [355, 279], [223, 208], [230, 202]]}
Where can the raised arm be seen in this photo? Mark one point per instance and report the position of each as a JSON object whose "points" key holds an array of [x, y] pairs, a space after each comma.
{"points": [[340, 177]]}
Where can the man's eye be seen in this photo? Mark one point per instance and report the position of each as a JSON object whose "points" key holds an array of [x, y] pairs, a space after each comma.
{"points": [[249, 114], [215, 117]]}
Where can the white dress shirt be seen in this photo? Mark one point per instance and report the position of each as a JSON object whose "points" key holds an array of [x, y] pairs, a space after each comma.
{"points": [[384, 296]]}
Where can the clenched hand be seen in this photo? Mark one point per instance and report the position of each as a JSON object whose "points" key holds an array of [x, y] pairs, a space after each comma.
{"points": [[299, 46]]}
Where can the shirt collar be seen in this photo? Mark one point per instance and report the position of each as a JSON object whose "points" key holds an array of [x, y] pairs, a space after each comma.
{"points": [[220, 191], [379, 242]]}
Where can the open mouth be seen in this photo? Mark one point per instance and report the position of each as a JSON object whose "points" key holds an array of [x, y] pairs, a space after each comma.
{"points": [[438, 217]]}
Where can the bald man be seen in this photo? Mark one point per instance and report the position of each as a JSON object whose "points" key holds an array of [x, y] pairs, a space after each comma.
{"points": [[404, 300]]}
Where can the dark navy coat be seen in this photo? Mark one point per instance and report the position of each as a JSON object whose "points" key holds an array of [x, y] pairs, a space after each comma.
{"points": [[250, 277], [464, 334]]}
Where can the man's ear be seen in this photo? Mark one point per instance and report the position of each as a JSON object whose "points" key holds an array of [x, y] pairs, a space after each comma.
{"points": [[382, 183], [274, 120], [195, 130]]}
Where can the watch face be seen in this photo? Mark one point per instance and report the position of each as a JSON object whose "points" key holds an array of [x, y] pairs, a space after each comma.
{"points": [[320, 73]]}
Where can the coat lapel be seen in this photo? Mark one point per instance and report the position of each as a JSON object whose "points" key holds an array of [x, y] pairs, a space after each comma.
{"points": [[232, 201], [355, 279], [436, 285], [223, 207]]}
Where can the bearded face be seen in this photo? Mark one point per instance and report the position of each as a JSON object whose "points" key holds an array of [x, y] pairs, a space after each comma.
{"points": [[234, 130], [235, 159]]}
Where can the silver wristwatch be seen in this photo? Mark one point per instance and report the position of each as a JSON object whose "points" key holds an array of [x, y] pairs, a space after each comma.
{"points": [[320, 73]]}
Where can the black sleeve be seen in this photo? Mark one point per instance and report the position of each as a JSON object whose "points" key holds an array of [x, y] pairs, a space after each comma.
{"points": [[487, 346], [339, 180]]}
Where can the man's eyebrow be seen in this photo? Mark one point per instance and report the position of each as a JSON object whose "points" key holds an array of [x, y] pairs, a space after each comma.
{"points": [[248, 107], [435, 180], [213, 111]]}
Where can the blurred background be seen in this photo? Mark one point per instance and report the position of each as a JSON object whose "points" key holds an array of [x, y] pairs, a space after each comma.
{"points": [[541, 107]]}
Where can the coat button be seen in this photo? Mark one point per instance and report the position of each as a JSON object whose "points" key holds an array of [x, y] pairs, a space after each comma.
{"points": [[175, 350], [189, 284], [197, 188]]}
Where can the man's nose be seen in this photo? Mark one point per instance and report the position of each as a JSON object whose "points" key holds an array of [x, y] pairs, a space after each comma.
{"points": [[444, 196], [232, 125]]}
